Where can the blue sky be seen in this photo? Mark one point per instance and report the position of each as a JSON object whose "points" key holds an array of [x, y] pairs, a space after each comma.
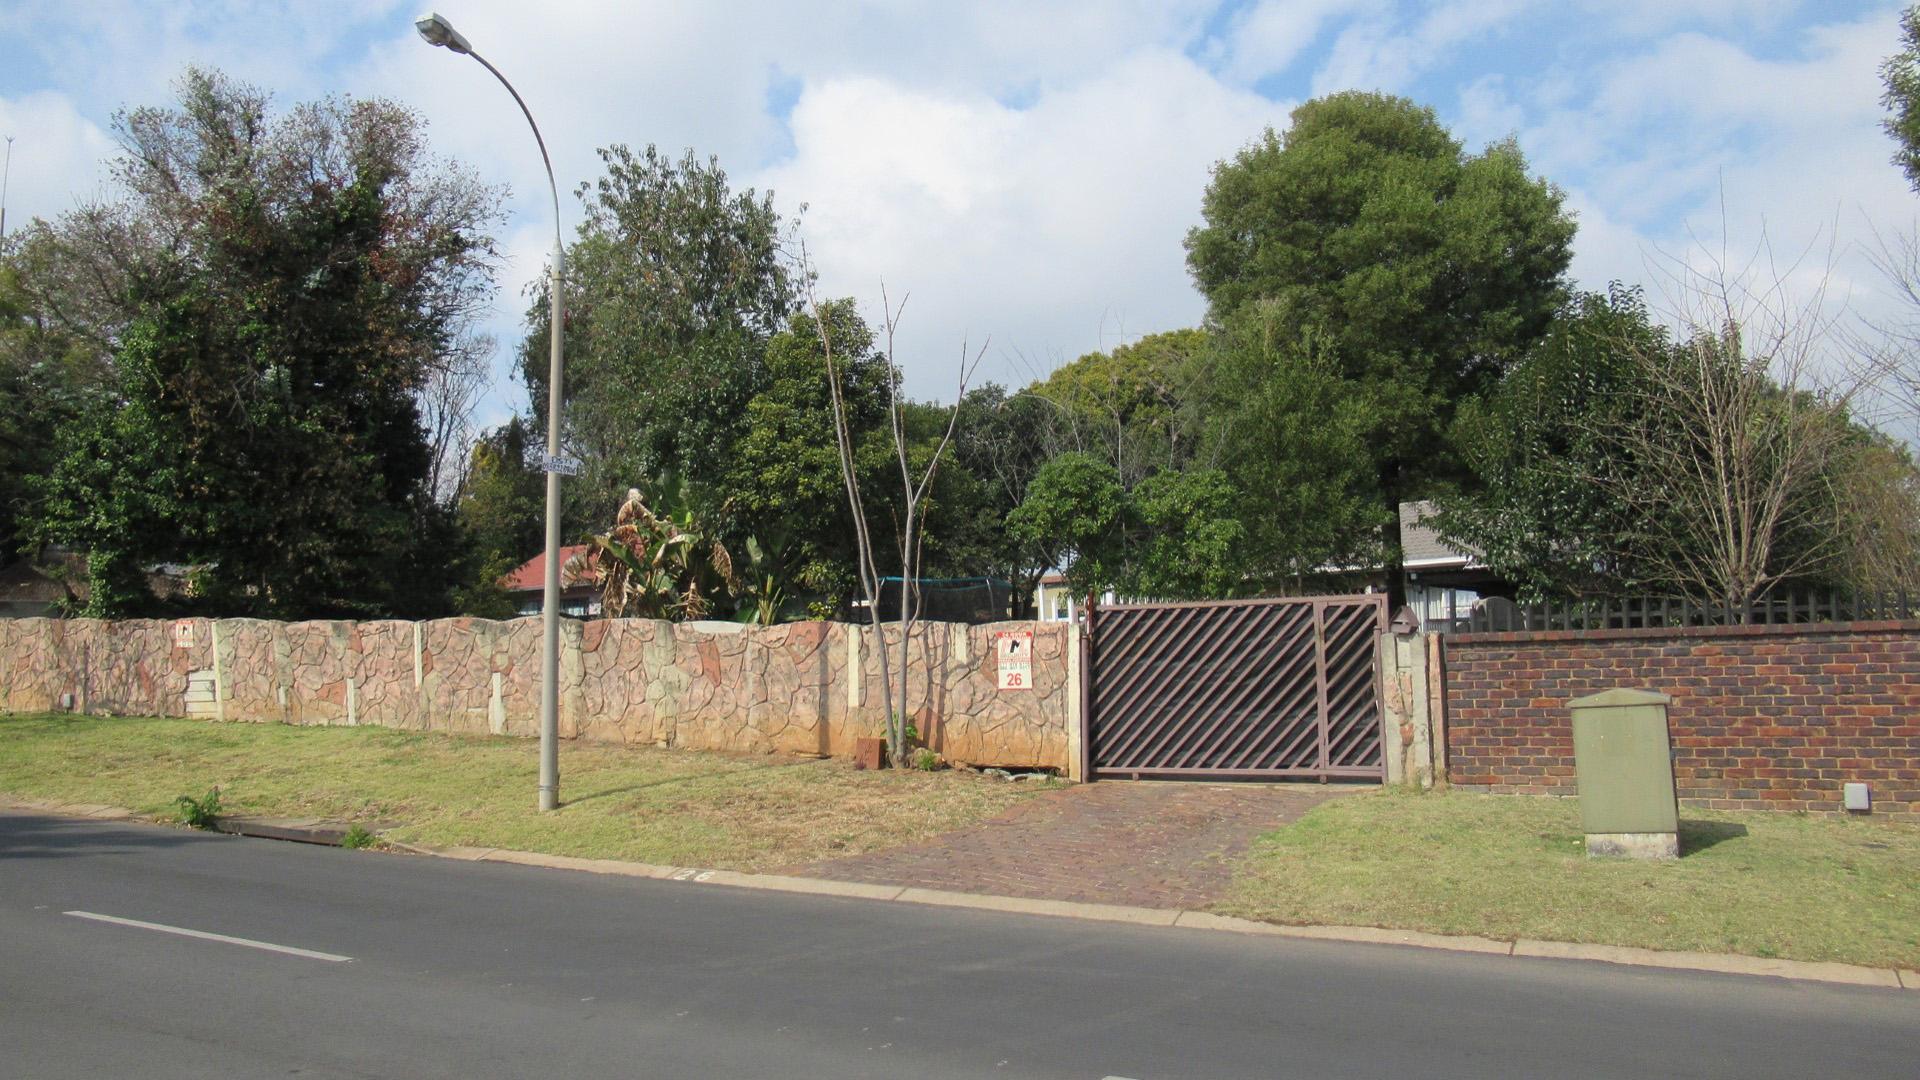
{"points": [[1026, 170]]}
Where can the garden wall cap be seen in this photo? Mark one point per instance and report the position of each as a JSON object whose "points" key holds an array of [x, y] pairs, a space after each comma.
{"points": [[1619, 695]]}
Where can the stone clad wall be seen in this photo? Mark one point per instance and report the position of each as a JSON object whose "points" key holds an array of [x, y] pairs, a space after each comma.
{"points": [[800, 687], [1763, 717]]}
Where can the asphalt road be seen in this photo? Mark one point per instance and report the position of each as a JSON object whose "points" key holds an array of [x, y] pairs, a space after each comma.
{"points": [[483, 970]]}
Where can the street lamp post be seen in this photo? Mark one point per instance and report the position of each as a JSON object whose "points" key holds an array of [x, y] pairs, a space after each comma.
{"points": [[4, 178], [439, 32]]}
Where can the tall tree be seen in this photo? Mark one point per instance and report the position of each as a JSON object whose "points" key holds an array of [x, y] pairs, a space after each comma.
{"points": [[46, 375], [1136, 405], [1716, 463], [675, 283], [500, 508], [1001, 443], [1533, 504], [1408, 272], [783, 477], [1174, 536], [274, 293], [1900, 74]]}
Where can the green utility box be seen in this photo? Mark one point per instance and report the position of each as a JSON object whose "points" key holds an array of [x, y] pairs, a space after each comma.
{"points": [[1623, 763]]}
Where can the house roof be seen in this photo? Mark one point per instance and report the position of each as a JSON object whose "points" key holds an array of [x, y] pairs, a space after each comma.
{"points": [[531, 576], [1420, 543]]}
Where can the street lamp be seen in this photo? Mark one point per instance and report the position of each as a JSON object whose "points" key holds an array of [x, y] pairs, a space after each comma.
{"points": [[4, 177], [439, 32]]}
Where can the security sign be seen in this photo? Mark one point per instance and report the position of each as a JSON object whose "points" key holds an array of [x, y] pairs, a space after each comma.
{"points": [[1015, 650], [183, 634]]}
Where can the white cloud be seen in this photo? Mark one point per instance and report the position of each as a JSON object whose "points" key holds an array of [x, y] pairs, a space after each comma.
{"points": [[1376, 54], [56, 156], [1795, 144], [1268, 37], [1648, 18], [1028, 168], [1054, 229]]}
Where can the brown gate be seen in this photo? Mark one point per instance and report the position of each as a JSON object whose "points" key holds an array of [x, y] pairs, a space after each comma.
{"points": [[1236, 688]]}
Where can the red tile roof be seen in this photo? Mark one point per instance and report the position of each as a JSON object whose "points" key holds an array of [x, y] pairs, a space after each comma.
{"points": [[531, 576]]}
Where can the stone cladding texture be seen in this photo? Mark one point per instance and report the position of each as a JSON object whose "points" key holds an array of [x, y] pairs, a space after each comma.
{"points": [[711, 686], [1763, 717]]}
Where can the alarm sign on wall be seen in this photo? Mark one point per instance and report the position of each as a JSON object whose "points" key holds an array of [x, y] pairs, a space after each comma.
{"points": [[1015, 650], [183, 634]]}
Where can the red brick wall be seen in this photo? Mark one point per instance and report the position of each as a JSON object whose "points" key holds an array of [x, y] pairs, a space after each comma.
{"points": [[1763, 717]]}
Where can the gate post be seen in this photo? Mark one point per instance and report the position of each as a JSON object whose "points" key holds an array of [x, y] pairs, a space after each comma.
{"points": [[1405, 735], [1079, 747]]}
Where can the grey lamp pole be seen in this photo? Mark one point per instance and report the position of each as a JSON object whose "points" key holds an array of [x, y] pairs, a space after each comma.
{"points": [[4, 178], [438, 31]]}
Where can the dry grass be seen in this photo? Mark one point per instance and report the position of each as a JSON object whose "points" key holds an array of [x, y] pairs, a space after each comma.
{"points": [[1774, 885], [679, 807]]}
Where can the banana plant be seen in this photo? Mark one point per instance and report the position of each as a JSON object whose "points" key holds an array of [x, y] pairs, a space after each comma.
{"points": [[657, 562], [763, 599]]}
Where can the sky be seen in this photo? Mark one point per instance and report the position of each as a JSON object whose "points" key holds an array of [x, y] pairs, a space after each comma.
{"points": [[1024, 172]]}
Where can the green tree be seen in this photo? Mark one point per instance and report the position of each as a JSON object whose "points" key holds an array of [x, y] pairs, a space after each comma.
{"points": [[1001, 442], [1190, 537], [1900, 74], [1618, 458], [1411, 272], [1077, 510], [1534, 447], [46, 375], [501, 509], [1175, 536], [274, 293], [1134, 405], [674, 286], [783, 476], [1295, 437]]}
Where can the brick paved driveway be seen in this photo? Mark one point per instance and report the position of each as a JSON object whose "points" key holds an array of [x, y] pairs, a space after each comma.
{"points": [[1161, 845]]}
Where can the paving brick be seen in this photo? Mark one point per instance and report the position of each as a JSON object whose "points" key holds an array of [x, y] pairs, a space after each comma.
{"points": [[1156, 845]]}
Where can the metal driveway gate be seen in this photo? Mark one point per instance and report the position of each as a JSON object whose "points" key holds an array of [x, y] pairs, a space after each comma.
{"points": [[1236, 688]]}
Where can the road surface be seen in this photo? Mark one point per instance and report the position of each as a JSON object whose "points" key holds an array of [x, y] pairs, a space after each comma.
{"points": [[355, 964]]}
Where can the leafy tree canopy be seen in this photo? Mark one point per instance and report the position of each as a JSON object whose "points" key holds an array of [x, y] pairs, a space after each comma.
{"points": [[1900, 74], [1174, 536], [783, 476], [674, 286], [272, 291], [1411, 272], [1134, 405]]}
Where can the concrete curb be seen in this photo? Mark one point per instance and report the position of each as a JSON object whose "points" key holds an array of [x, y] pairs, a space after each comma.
{"points": [[1729, 963], [1723, 963]]}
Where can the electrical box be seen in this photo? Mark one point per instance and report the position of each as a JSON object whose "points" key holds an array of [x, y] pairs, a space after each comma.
{"points": [[1623, 765], [1856, 797]]}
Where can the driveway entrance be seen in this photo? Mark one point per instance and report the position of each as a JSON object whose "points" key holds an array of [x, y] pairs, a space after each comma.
{"points": [[1236, 689]]}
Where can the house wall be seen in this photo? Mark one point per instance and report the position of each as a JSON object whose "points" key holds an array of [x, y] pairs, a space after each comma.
{"points": [[801, 687], [1763, 717]]}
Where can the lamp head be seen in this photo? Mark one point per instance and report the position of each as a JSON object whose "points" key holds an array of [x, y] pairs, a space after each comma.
{"points": [[435, 28]]}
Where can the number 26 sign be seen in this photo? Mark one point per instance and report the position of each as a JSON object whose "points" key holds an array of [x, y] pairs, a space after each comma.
{"points": [[1015, 651]]}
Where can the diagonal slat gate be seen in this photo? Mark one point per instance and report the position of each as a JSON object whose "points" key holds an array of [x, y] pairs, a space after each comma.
{"points": [[1237, 688]]}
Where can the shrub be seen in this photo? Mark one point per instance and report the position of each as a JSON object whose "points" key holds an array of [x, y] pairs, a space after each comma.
{"points": [[199, 813]]}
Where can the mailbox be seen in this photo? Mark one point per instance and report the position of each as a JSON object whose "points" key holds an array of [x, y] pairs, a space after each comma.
{"points": [[1623, 765]]}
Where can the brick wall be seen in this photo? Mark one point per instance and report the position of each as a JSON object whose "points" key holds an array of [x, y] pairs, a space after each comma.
{"points": [[1763, 717]]}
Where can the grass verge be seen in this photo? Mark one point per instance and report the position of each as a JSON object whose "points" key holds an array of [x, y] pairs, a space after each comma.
{"points": [[678, 807], [1791, 886]]}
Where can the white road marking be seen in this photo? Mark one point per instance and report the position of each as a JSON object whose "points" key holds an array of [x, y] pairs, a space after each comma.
{"points": [[204, 936]]}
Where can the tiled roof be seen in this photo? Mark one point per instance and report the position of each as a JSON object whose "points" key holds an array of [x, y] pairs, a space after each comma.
{"points": [[531, 576], [1420, 543]]}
